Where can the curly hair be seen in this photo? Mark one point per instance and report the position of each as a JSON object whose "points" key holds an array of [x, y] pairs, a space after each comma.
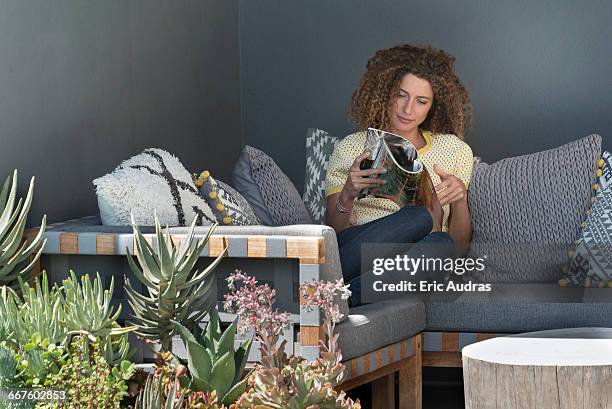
{"points": [[451, 111]]}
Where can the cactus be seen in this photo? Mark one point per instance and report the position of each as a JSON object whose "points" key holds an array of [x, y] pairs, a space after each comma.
{"points": [[153, 397], [17, 258], [175, 291], [213, 364]]}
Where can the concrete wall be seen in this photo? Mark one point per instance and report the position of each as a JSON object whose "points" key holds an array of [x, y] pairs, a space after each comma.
{"points": [[85, 84], [538, 71]]}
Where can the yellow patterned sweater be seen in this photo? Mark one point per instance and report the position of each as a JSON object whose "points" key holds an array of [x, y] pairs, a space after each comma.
{"points": [[448, 151]]}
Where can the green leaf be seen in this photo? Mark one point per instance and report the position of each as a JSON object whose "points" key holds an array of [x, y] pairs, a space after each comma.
{"points": [[233, 394], [226, 343], [199, 361], [241, 357], [222, 373]]}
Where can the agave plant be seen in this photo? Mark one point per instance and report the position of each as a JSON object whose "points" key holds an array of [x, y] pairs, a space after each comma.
{"points": [[87, 311], [213, 364], [153, 396], [17, 258], [175, 291]]}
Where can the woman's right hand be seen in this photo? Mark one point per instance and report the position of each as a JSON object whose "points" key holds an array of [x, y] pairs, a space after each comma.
{"points": [[358, 179]]}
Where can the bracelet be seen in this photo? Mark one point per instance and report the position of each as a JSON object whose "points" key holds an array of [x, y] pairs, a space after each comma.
{"points": [[341, 208]]}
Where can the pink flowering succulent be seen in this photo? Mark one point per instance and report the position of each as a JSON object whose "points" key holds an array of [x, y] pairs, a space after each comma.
{"points": [[253, 305], [290, 382]]}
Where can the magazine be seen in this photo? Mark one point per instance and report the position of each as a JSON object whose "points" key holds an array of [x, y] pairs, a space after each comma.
{"points": [[408, 182]]}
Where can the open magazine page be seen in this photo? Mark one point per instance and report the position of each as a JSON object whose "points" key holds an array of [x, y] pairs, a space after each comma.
{"points": [[407, 181]]}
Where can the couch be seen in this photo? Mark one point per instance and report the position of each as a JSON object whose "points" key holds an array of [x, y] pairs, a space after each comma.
{"points": [[377, 339]]}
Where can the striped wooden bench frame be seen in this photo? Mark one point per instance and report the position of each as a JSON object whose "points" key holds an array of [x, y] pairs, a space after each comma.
{"points": [[377, 367], [443, 349]]}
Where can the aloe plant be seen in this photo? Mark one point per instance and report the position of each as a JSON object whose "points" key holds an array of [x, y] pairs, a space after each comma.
{"points": [[174, 290], [17, 257], [87, 311], [213, 364]]}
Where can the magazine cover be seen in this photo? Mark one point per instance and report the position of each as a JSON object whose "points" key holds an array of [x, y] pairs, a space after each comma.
{"points": [[408, 181]]}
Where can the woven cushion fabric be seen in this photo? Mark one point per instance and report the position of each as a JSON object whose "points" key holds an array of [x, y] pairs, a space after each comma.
{"points": [[526, 211], [319, 148], [268, 190], [372, 326], [227, 204], [152, 182], [591, 261], [520, 307]]}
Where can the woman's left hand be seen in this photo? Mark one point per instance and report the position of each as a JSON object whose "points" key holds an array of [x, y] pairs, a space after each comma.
{"points": [[451, 189]]}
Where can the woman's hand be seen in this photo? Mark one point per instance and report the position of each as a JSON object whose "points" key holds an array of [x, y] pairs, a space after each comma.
{"points": [[358, 179], [451, 189]]}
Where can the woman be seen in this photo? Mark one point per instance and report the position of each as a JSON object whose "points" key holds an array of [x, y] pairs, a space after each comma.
{"points": [[414, 92]]}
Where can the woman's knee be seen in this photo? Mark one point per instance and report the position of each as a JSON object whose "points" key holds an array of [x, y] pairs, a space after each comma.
{"points": [[418, 216]]}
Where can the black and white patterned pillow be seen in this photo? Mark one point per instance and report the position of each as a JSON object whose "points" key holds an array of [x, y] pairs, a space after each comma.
{"points": [[152, 182], [591, 262], [229, 206], [319, 148]]}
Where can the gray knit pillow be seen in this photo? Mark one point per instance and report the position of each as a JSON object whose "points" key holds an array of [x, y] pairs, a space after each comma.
{"points": [[268, 190], [526, 211]]}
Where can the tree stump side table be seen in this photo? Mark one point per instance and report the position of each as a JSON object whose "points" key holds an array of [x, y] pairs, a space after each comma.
{"points": [[560, 369]]}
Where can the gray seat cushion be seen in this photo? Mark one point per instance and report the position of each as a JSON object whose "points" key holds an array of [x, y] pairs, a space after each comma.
{"points": [[521, 307], [372, 326]]}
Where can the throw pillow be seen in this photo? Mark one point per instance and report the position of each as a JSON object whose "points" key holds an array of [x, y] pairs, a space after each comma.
{"points": [[591, 261], [526, 211], [319, 148], [270, 192], [227, 204], [152, 182]]}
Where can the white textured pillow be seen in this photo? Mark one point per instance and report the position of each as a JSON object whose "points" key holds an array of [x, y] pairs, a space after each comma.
{"points": [[152, 182]]}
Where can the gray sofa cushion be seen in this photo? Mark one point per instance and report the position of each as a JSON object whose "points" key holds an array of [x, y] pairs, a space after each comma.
{"points": [[373, 326], [520, 307], [268, 190], [526, 211]]}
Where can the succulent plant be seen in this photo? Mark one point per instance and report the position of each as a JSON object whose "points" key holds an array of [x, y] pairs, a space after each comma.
{"points": [[87, 311], [17, 258], [175, 291], [8, 368], [40, 312], [153, 396], [213, 364], [56, 314], [89, 380]]}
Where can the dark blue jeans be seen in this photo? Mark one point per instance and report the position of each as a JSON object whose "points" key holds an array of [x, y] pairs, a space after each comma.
{"points": [[408, 225]]}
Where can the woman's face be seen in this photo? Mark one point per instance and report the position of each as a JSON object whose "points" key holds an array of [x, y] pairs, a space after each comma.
{"points": [[410, 107]]}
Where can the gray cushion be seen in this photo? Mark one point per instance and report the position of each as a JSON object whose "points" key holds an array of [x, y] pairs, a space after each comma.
{"points": [[319, 148], [520, 307], [270, 192], [373, 326], [526, 211]]}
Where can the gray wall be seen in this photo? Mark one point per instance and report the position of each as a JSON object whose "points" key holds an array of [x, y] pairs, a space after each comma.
{"points": [[538, 71], [85, 84]]}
